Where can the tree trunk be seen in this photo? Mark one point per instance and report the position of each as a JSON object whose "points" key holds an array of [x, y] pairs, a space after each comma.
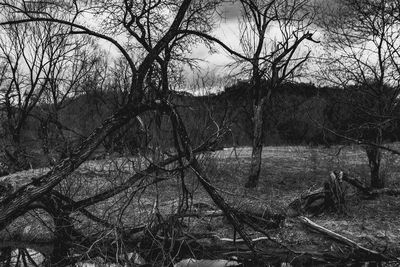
{"points": [[43, 135], [374, 162], [17, 203], [255, 165], [63, 236], [64, 231]]}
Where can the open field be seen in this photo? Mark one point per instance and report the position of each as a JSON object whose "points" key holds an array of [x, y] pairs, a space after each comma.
{"points": [[287, 172]]}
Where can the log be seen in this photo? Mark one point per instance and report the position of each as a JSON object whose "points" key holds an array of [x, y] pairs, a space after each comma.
{"points": [[375, 255]]}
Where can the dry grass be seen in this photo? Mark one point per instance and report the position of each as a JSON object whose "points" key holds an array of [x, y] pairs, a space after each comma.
{"points": [[286, 173]]}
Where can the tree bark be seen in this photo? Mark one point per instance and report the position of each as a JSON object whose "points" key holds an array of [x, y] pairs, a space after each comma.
{"points": [[374, 162], [257, 145], [64, 231]]}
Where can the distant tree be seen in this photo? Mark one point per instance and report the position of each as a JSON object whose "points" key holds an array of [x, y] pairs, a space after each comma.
{"points": [[362, 43], [32, 55], [271, 33], [271, 60], [68, 77]]}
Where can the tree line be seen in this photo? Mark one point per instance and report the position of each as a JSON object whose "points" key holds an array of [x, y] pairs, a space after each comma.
{"points": [[299, 114]]}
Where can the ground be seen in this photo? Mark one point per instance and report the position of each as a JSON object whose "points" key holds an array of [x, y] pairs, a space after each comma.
{"points": [[287, 172]]}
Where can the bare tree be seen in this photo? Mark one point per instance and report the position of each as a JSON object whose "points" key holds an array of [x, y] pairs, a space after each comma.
{"points": [[69, 69], [362, 57], [28, 53], [271, 35], [134, 106]]}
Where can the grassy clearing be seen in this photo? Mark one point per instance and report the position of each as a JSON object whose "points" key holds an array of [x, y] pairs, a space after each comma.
{"points": [[287, 172]]}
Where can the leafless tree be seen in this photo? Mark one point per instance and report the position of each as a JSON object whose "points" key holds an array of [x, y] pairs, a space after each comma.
{"points": [[271, 62], [68, 76], [362, 44], [22, 89], [44, 69], [271, 35]]}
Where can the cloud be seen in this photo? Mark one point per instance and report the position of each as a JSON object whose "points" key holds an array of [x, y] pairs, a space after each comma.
{"points": [[230, 10]]}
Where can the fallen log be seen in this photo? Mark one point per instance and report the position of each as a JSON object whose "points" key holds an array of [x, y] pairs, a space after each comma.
{"points": [[375, 255]]}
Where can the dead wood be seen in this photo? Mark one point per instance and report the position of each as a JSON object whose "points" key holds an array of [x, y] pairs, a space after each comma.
{"points": [[368, 191], [374, 255], [231, 214], [356, 183], [266, 250], [330, 197]]}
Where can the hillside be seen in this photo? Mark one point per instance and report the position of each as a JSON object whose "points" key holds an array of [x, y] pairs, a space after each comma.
{"points": [[297, 114]]}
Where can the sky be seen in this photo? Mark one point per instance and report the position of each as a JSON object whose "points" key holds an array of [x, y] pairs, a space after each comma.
{"points": [[226, 31], [217, 64], [214, 67]]}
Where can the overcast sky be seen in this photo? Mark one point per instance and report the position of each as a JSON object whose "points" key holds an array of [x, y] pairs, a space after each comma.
{"points": [[215, 64]]}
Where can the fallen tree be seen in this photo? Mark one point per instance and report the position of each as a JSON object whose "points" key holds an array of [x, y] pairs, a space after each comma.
{"points": [[170, 235]]}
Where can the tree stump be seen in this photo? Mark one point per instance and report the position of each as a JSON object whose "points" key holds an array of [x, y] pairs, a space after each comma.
{"points": [[334, 199], [329, 198]]}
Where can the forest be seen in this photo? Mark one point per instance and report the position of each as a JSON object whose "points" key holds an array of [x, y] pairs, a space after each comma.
{"points": [[199, 133]]}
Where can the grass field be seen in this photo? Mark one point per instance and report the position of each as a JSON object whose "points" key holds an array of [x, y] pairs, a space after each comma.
{"points": [[287, 172]]}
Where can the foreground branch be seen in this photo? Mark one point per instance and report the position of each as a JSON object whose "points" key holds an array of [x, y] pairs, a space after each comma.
{"points": [[17, 203]]}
